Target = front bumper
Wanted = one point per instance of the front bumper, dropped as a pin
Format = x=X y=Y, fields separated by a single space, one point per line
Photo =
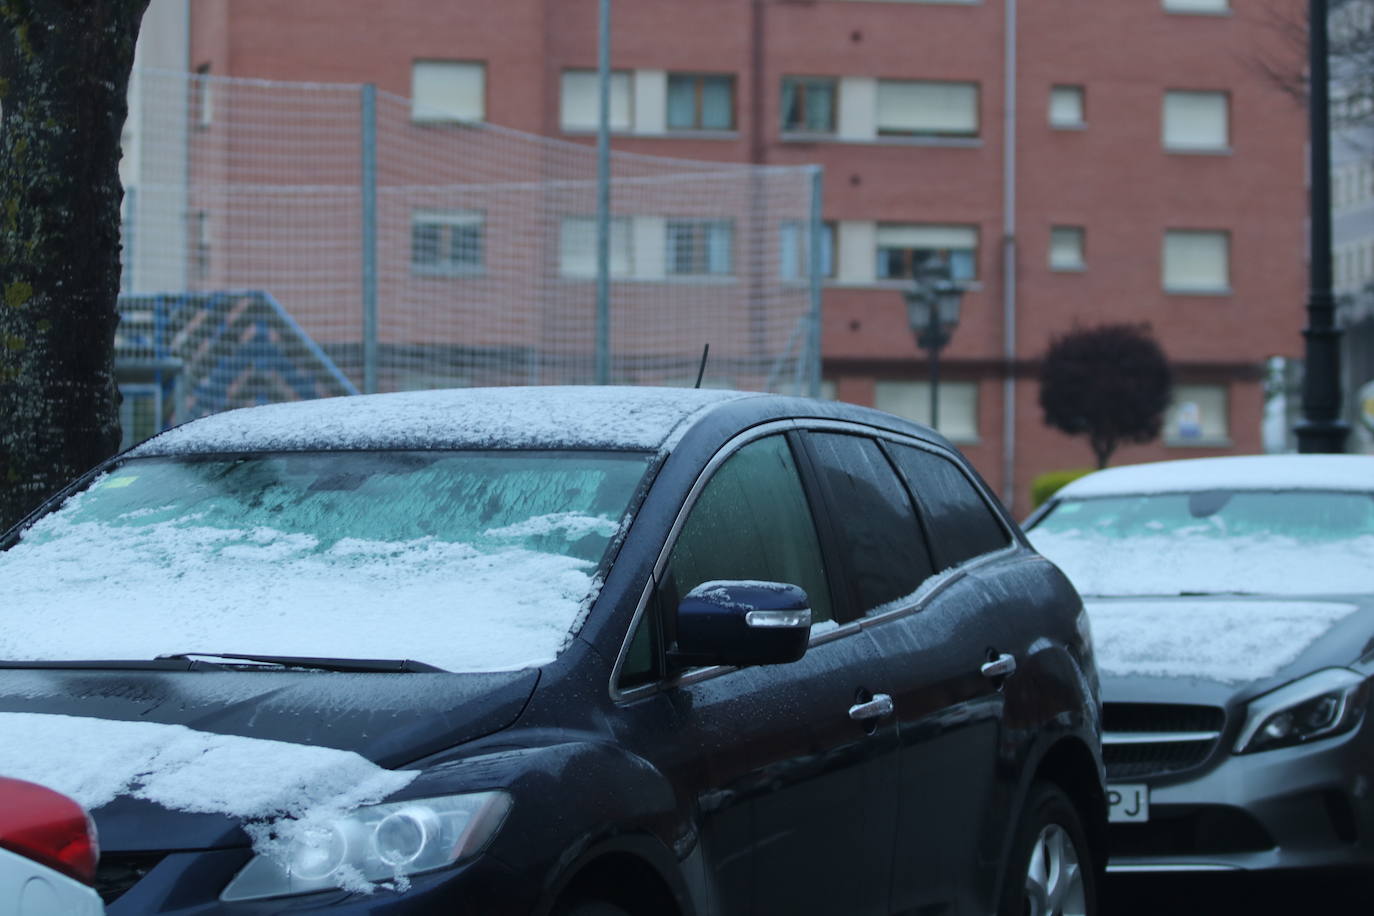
x=1310 y=806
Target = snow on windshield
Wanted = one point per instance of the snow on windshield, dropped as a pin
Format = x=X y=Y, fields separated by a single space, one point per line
x=1181 y=638
x=1215 y=541
x=466 y=561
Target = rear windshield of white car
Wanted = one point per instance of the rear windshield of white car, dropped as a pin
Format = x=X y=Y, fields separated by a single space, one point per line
x=469 y=561
x=1213 y=542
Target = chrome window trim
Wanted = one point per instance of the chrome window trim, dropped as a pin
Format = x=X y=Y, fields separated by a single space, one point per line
x=918 y=598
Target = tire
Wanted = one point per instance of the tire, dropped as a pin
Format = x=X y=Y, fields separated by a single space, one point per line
x=1051 y=871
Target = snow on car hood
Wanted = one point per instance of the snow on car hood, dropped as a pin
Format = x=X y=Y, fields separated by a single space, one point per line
x=1230 y=642
x=97 y=760
x=275 y=789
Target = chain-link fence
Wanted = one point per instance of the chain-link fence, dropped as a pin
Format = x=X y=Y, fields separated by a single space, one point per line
x=289 y=238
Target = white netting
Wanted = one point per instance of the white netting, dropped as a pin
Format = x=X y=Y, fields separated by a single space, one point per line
x=259 y=212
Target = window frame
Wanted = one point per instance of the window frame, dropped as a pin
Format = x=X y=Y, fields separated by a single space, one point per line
x=825 y=532
x=909 y=259
x=427 y=115
x=1081 y=235
x=1082 y=100
x=628 y=82
x=699 y=79
x=830 y=250
x=930 y=133
x=1196 y=149
x=700 y=252
x=446 y=266
x=1177 y=290
x=802 y=85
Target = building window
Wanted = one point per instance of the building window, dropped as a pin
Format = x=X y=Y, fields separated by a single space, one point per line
x=903 y=248
x=700 y=247
x=1066 y=248
x=794 y=250
x=577 y=247
x=446 y=241
x=808 y=104
x=1197 y=262
x=1196 y=121
x=701 y=102
x=203 y=98
x=1066 y=106
x=914 y=108
x=140 y=413
x=581 y=100
x=958 y=405
x=1197 y=6
x=448 y=90
x=1197 y=416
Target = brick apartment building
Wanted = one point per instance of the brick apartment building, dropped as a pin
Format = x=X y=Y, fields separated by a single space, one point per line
x=1137 y=168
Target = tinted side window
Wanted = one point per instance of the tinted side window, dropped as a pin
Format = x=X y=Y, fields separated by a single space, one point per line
x=962 y=525
x=875 y=524
x=751 y=521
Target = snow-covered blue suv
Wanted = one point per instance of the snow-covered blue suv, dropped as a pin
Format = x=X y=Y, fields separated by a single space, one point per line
x=582 y=651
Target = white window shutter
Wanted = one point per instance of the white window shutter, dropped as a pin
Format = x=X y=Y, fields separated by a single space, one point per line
x=1196 y=120
x=446 y=90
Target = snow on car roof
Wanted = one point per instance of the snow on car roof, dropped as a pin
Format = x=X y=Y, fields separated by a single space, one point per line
x=1240 y=472
x=518 y=417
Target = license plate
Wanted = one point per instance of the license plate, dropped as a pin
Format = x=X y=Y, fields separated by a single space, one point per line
x=1128 y=803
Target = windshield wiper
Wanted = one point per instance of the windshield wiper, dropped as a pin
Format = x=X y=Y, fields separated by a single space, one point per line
x=319 y=664
x=162 y=663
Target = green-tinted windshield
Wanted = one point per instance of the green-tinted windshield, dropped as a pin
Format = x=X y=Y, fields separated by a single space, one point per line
x=1294 y=542
x=466 y=560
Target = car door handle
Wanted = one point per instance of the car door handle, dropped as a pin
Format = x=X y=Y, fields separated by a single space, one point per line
x=1003 y=665
x=876 y=708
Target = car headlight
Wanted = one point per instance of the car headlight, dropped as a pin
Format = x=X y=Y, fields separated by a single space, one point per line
x=1322 y=704
x=370 y=844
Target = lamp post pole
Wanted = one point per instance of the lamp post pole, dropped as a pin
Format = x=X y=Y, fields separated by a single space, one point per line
x=932 y=310
x=1320 y=429
x=934 y=338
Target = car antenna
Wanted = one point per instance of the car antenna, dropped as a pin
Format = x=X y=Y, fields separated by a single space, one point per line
x=702 y=369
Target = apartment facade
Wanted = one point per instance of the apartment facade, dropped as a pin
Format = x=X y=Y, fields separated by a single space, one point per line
x=1077 y=162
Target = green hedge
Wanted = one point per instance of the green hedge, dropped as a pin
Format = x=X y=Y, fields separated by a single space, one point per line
x=1048 y=483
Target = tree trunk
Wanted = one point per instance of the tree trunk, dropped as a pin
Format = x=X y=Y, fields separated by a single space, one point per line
x=64 y=76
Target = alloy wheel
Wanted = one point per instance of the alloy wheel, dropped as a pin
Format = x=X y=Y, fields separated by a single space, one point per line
x=1054 y=877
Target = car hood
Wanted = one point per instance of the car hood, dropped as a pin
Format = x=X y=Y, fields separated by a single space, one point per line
x=1222 y=649
x=387 y=719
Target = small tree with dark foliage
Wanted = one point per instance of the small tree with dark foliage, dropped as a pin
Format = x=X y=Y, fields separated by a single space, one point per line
x=1111 y=383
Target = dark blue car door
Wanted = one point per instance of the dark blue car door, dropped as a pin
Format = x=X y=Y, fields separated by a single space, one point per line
x=791 y=791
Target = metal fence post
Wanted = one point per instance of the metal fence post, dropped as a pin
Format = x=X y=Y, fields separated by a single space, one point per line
x=813 y=350
x=369 y=236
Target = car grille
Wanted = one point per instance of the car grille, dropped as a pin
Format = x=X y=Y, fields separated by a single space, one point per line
x=118 y=871
x=1140 y=740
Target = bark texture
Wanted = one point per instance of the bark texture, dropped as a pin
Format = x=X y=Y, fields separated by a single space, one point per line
x=64 y=76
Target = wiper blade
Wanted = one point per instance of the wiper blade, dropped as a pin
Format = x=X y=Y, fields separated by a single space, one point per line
x=319 y=664
x=167 y=663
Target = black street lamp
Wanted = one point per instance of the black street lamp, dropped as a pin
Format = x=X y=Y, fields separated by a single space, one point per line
x=932 y=310
x=1320 y=429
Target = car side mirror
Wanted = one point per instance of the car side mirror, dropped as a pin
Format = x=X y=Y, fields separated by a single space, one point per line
x=742 y=623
